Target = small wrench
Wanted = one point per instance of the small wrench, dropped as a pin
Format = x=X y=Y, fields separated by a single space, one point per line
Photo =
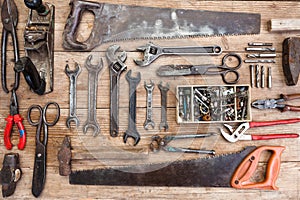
x=152 y=52
x=149 y=88
x=93 y=71
x=163 y=90
x=117 y=66
x=72 y=74
x=132 y=130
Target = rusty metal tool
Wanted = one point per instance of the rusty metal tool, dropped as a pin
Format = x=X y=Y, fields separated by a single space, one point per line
x=230 y=170
x=290 y=60
x=41 y=139
x=93 y=72
x=230 y=64
x=164 y=120
x=39 y=40
x=73 y=75
x=116 y=63
x=9 y=17
x=239 y=133
x=14 y=118
x=64 y=157
x=132 y=130
x=10 y=173
x=158 y=143
x=277 y=103
x=149 y=108
x=115 y=22
x=151 y=52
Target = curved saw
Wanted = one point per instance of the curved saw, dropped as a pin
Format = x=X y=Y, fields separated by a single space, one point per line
x=123 y=22
x=232 y=170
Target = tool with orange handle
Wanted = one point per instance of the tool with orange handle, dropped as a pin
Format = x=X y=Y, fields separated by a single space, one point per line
x=14 y=118
x=231 y=170
x=238 y=134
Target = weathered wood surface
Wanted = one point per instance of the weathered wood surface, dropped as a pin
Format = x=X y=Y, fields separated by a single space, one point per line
x=89 y=152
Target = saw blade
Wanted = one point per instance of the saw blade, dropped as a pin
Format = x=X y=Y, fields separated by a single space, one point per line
x=123 y=22
x=205 y=172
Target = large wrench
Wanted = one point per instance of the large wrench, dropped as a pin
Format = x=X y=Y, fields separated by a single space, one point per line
x=72 y=74
x=152 y=52
x=149 y=88
x=132 y=130
x=163 y=90
x=117 y=66
x=93 y=71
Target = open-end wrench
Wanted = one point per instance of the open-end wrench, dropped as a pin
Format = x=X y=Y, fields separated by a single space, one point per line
x=72 y=74
x=149 y=88
x=163 y=90
x=117 y=66
x=132 y=130
x=152 y=52
x=93 y=71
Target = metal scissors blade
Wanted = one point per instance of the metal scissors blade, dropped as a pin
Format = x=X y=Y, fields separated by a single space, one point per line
x=39 y=172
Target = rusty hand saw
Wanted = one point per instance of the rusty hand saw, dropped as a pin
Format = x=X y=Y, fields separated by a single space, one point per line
x=122 y=22
x=231 y=170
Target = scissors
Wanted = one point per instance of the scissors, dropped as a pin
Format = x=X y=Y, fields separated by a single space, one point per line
x=39 y=173
x=224 y=70
x=9 y=17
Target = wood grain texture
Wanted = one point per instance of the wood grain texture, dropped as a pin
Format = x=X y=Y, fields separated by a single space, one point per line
x=102 y=151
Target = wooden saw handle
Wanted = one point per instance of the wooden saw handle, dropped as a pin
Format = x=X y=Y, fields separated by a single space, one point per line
x=241 y=177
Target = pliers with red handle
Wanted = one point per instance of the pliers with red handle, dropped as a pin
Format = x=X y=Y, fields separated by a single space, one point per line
x=14 y=118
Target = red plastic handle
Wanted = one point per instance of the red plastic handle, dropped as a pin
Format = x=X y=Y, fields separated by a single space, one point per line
x=22 y=140
x=276 y=122
x=274 y=136
x=7 y=132
x=241 y=177
x=17 y=119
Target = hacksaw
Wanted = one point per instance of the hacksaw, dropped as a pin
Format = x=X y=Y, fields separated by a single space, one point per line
x=231 y=170
x=123 y=22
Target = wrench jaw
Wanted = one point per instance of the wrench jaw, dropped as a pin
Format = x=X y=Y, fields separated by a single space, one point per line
x=73 y=119
x=74 y=72
x=115 y=60
x=90 y=66
x=149 y=123
x=132 y=79
x=236 y=135
x=150 y=53
x=135 y=135
x=164 y=126
x=90 y=125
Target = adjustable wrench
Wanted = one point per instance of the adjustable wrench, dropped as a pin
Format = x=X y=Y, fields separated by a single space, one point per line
x=163 y=90
x=72 y=74
x=149 y=88
x=117 y=66
x=132 y=131
x=93 y=70
x=152 y=52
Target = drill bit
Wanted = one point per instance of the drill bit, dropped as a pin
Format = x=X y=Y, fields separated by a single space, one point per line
x=260 y=49
x=259 y=61
x=252 y=75
x=257 y=75
x=262 y=55
x=262 y=76
x=260 y=44
x=269 y=77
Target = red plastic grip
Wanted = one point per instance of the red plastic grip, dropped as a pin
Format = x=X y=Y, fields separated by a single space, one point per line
x=22 y=133
x=7 y=132
x=276 y=122
x=274 y=136
x=243 y=174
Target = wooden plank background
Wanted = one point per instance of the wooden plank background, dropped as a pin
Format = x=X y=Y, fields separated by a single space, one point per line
x=103 y=151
